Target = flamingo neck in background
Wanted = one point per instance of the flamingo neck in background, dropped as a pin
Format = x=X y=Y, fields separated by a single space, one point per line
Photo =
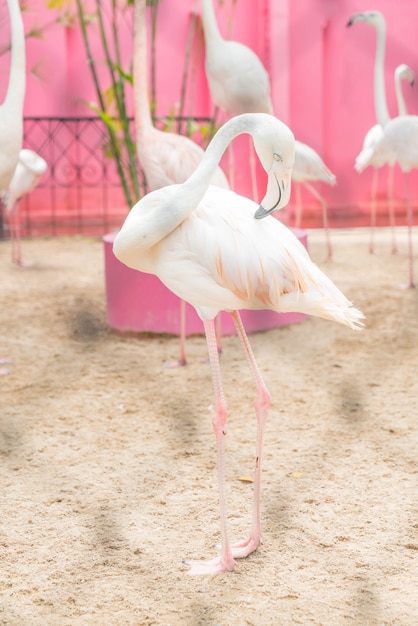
x=143 y=120
x=210 y=25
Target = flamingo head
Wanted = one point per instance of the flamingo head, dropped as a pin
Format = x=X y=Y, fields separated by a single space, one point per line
x=275 y=146
x=406 y=73
x=374 y=18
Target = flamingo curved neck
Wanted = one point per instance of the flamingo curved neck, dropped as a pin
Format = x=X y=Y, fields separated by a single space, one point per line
x=17 y=79
x=202 y=175
x=168 y=213
x=143 y=121
x=210 y=25
x=402 y=110
x=381 y=108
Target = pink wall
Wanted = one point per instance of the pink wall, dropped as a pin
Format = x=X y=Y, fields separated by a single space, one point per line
x=321 y=73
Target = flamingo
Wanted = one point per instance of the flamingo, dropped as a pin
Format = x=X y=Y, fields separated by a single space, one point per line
x=377 y=20
x=399 y=144
x=11 y=110
x=27 y=175
x=221 y=251
x=166 y=158
x=310 y=167
x=239 y=83
x=368 y=156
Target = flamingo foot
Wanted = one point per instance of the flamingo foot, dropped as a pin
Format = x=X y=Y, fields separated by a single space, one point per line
x=174 y=364
x=242 y=549
x=410 y=285
x=18 y=260
x=208 y=568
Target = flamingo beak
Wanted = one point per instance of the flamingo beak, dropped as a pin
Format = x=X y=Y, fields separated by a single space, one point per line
x=277 y=196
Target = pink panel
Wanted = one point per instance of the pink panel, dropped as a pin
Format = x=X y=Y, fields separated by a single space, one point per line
x=321 y=74
x=138 y=302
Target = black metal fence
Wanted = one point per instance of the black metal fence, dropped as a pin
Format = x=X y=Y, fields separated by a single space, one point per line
x=81 y=192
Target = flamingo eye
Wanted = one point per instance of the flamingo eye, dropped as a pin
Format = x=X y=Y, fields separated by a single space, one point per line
x=277 y=157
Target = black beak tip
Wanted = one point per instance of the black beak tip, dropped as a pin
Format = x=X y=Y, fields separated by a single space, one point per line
x=261 y=212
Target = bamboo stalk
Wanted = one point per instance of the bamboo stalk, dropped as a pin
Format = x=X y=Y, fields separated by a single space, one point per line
x=112 y=136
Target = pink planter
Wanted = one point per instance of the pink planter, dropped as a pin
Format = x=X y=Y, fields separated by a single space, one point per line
x=138 y=302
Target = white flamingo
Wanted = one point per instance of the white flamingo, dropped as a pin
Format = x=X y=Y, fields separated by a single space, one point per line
x=205 y=244
x=377 y=20
x=399 y=144
x=11 y=110
x=238 y=81
x=166 y=158
x=28 y=172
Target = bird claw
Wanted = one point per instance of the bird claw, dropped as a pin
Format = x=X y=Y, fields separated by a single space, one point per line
x=174 y=364
x=211 y=567
x=242 y=549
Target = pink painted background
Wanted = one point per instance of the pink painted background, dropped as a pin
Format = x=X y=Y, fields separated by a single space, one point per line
x=321 y=74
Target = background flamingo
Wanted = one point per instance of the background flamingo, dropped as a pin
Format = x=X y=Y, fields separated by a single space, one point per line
x=237 y=80
x=28 y=172
x=399 y=144
x=377 y=20
x=11 y=111
x=239 y=83
x=205 y=245
x=166 y=158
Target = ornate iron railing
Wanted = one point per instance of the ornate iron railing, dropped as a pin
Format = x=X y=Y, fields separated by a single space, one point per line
x=81 y=192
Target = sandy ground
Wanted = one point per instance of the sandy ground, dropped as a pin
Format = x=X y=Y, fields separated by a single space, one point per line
x=108 y=460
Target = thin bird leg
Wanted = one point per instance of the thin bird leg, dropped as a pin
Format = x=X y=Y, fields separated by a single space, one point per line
x=262 y=405
x=253 y=169
x=394 y=249
x=373 y=209
x=218 y=329
x=15 y=236
x=182 y=359
x=15 y=239
x=224 y=562
x=320 y=199
x=409 y=221
x=298 y=211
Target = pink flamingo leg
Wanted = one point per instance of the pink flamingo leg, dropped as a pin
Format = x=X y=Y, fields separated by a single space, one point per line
x=14 y=225
x=325 y=225
x=394 y=249
x=225 y=562
x=218 y=330
x=373 y=210
x=262 y=405
x=410 y=221
x=182 y=359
